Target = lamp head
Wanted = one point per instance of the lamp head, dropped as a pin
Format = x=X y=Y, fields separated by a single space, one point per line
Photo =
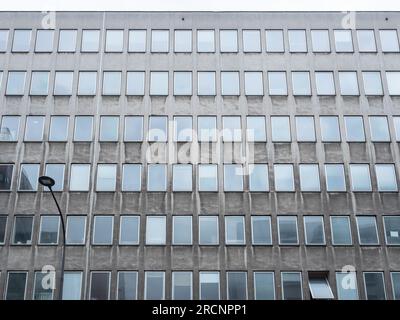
x=46 y=181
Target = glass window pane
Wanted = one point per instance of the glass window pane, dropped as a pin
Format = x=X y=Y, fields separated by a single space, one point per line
x=135 y=83
x=41 y=293
x=274 y=41
x=320 y=41
x=396 y=285
x=348 y=83
x=159 y=40
x=234 y=230
x=207 y=128
x=6 y=171
x=44 y=41
x=346 y=283
x=131 y=177
x=23 y=226
x=228 y=40
x=155 y=230
x=109 y=127
x=291 y=286
x=80 y=175
x=182 y=83
x=208 y=179
x=154 y=285
x=393 y=82
x=72 y=285
x=354 y=129
x=280 y=126
x=59 y=128
x=90 y=40
x=63 y=83
x=319 y=287
x=367 y=233
x=3 y=225
x=103 y=230
x=258 y=177
x=297 y=41
x=309 y=177
x=182 y=230
x=256 y=128
x=379 y=128
x=233 y=177
x=83 y=128
x=21 y=41
x=181 y=285
x=3 y=40
x=330 y=131
x=301 y=83
x=386 y=177
x=100 y=286
x=205 y=41
x=157 y=177
x=76 y=230
x=305 y=128
x=9 y=130
x=183 y=41
x=67 y=41
x=137 y=41
x=325 y=83
x=314 y=230
x=341 y=234
x=392 y=229
x=114 y=40
x=208 y=230
x=389 y=40
x=396 y=124
x=34 y=128
x=374 y=286
x=287 y=227
x=230 y=83
x=372 y=83
x=284 y=180
x=182 y=177
x=277 y=83
x=183 y=128
x=237 y=285
x=49 y=227
x=360 y=177
x=16 y=83
x=253 y=83
x=231 y=128
x=335 y=180
x=261 y=230
x=209 y=285
x=264 y=286
x=87 y=83
x=29 y=175
x=159 y=83
x=16 y=286
x=206 y=83
x=366 y=41
x=343 y=41
x=112 y=83
x=251 y=41
x=129 y=230
x=39 y=83
x=127 y=285
x=56 y=171
x=106 y=177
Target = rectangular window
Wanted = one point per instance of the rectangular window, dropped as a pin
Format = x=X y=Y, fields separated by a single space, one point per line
x=330 y=131
x=133 y=128
x=256 y=129
x=389 y=40
x=233 y=177
x=34 y=128
x=230 y=83
x=283 y=177
x=379 y=129
x=208 y=230
x=103 y=230
x=100 y=285
x=237 y=285
x=59 y=128
x=29 y=175
x=109 y=128
x=67 y=41
x=183 y=128
x=106 y=177
x=3 y=40
x=305 y=128
x=16 y=83
x=325 y=83
x=301 y=83
x=396 y=124
x=156 y=177
x=205 y=41
x=395 y=285
x=9 y=129
x=287 y=230
x=309 y=178
x=374 y=286
x=264 y=286
x=228 y=40
x=72 y=285
x=366 y=41
x=348 y=83
x=234 y=230
x=386 y=177
x=292 y=288
x=341 y=232
x=392 y=229
x=111 y=83
x=208 y=177
x=207 y=128
x=6 y=172
x=87 y=83
x=22 y=40
x=159 y=40
x=354 y=128
x=135 y=83
x=182 y=83
x=360 y=177
x=131 y=177
x=182 y=230
x=39 y=83
x=274 y=41
x=127 y=285
x=114 y=40
x=44 y=41
x=183 y=41
x=16 y=285
x=346 y=283
x=56 y=171
x=209 y=285
x=83 y=130
x=261 y=230
x=251 y=41
x=297 y=41
x=3 y=225
x=22 y=233
x=159 y=83
x=182 y=285
x=335 y=181
x=90 y=40
x=76 y=230
x=80 y=177
x=206 y=83
x=277 y=83
x=154 y=287
x=49 y=228
x=320 y=41
x=319 y=287
x=137 y=41
x=258 y=178
x=182 y=177
x=314 y=230
x=393 y=82
x=156 y=230
x=129 y=230
x=280 y=126
x=63 y=83
x=40 y=292
x=367 y=232
x=232 y=129
x=343 y=41
x=372 y=83
x=253 y=83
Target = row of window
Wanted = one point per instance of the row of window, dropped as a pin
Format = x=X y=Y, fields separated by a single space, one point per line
x=291 y=285
x=251 y=41
x=208 y=230
x=206 y=83
x=182 y=130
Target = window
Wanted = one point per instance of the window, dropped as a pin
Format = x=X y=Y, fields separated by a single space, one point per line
x=287 y=230
x=325 y=83
x=209 y=285
x=9 y=129
x=251 y=41
x=258 y=177
x=305 y=128
x=233 y=177
x=291 y=286
x=87 y=83
x=320 y=41
x=106 y=177
x=396 y=285
x=207 y=177
x=100 y=285
x=16 y=285
x=207 y=128
x=90 y=40
x=23 y=226
x=205 y=41
x=237 y=285
x=280 y=126
x=39 y=83
x=3 y=40
x=319 y=287
x=297 y=41
x=182 y=177
x=34 y=128
x=129 y=230
x=182 y=83
x=135 y=83
x=343 y=40
x=131 y=177
x=16 y=83
x=40 y=292
x=67 y=41
x=232 y=130
x=103 y=230
x=335 y=180
x=72 y=285
x=360 y=177
x=330 y=131
x=183 y=128
x=284 y=180
x=346 y=283
x=83 y=128
x=228 y=40
x=111 y=83
x=109 y=127
x=261 y=230
x=274 y=41
x=386 y=177
x=374 y=286
x=392 y=230
x=56 y=171
x=314 y=230
x=159 y=40
x=367 y=232
x=264 y=286
x=182 y=285
x=256 y=129
x=59 y=128
x=157 y=177
x=206 y=83
x=354 y=128
x=182 y=230
x=80 y=176
x=393 y=82
x=3 y=225
x=379 y=128
x=234 y=230
x=372 y=83
x=154 y=285
x=309 y=178
x=159 y=83
x=348 y=83
x=230 y=83
x=63 y=83
x=29 y=175
x=76 y=230
x=301 y=83
x=6 y=171
x=277 y=83
x=366 y=41
x=155 y=230
x=396 y=123
x=22 y=40
x=137 y=41
x=208 y=230
x=44 y=41
x=340 y=228
x=127 y=285
x=253 y=83
x=49 y=227
x=114 y=40
x=389 y=40
x=183 y=41
x=133 y=128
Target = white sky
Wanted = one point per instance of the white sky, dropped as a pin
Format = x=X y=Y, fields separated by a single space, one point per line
x=201 y=5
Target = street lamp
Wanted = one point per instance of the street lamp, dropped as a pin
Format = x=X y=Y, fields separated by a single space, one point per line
x=49 y=183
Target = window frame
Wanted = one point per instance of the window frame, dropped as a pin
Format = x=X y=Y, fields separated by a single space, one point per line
x=128 y=243
x=91 y=282
x=41 y=243
x=376 y=231
x=235 y=242
x=29 y=242
x=306 y=240
x=94 y=242
x=295 y=218
x=350 y=231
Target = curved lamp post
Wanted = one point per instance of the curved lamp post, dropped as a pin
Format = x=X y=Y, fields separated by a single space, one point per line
x=49 y=183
